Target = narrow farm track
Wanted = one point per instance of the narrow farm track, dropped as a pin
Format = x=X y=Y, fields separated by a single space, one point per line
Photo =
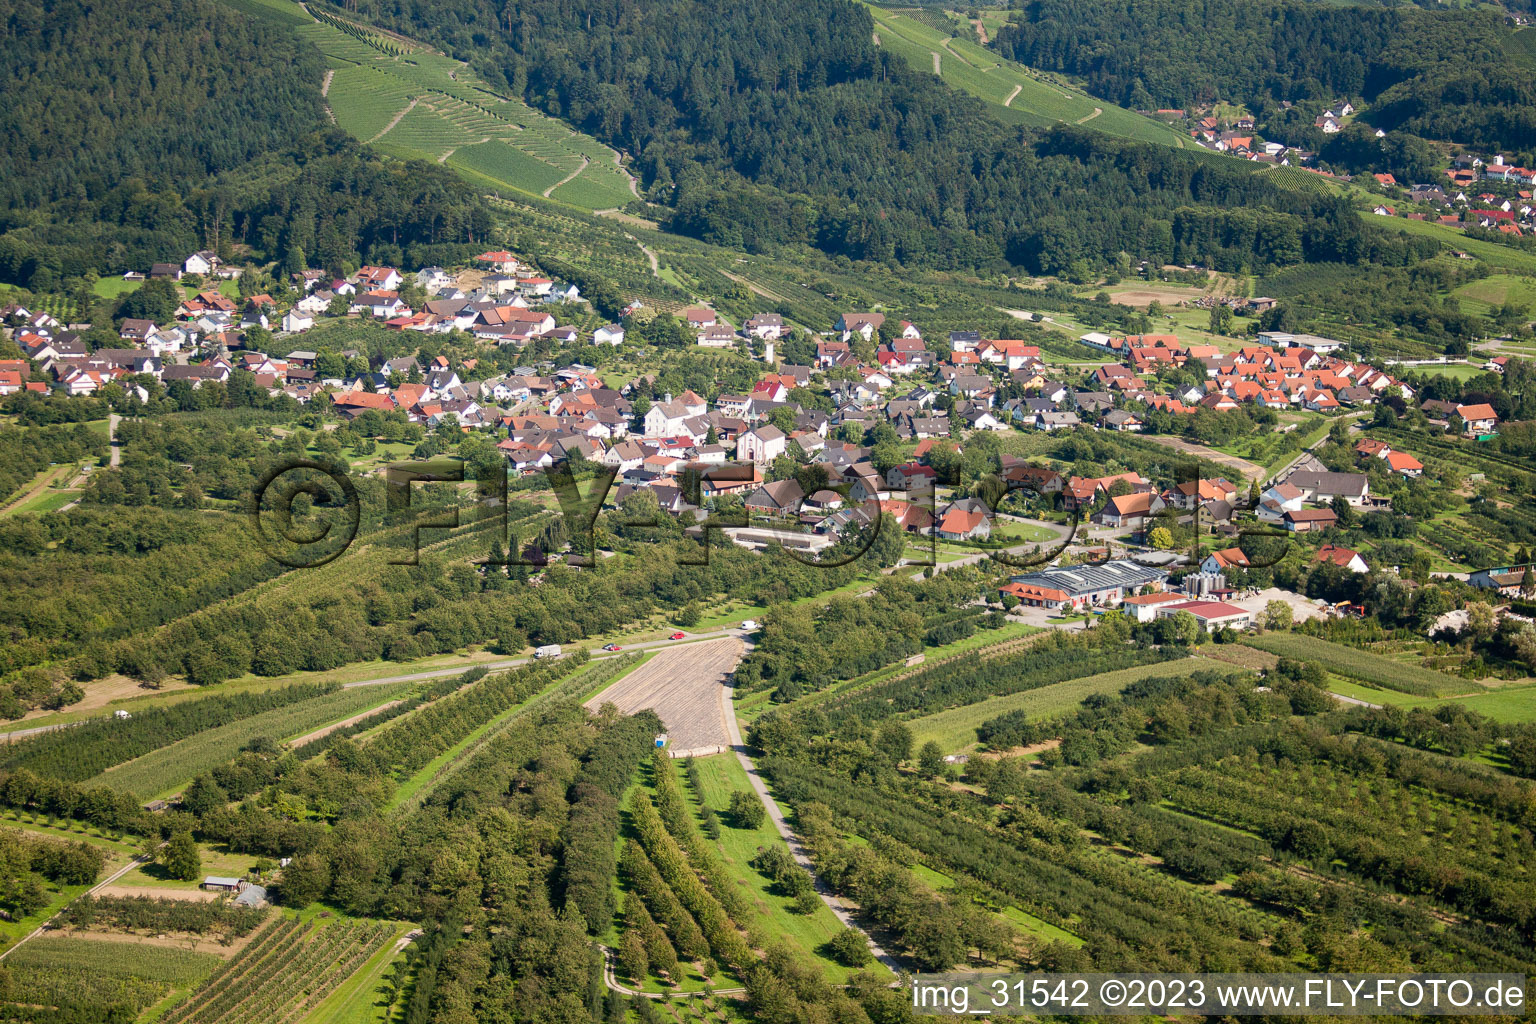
x=1011 y=96
x=649 y=255
x=1096 y=112
x=134 y=862
x=938 y=68
x=326 y=730
x=612 y=981
x=585 y=160
x=325 y=84
x=796 y=850
x=398 y=118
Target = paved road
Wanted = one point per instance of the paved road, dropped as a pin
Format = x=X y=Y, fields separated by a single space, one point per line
x=796 y=850
x=117 y=453
x=1355 y=700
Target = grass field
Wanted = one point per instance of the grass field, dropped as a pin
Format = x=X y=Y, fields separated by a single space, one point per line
x=955 y=728
x=1506 y=704
x=166 y=770
x=1365 y=666
x=721 y=775
x=1496 y=290
x=1014 y=93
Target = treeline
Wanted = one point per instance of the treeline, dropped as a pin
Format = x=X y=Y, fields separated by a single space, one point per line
x=803 y=649
x=1155 y=710
x=1053 y=659
x=1443 y=74
x=935 y=931
x=151 y=915
x=77 y=752
x=28 y=863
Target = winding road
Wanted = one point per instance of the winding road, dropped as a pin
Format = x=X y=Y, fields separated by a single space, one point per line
x=585 y=160
x=1016 y=90
x=397 y=119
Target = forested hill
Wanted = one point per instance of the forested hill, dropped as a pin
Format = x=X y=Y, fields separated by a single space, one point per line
x=96 y=92
x=1443 y=74
x=780 y=122
x=138 y=131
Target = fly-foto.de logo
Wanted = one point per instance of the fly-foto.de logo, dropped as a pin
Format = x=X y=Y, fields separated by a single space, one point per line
x=305 y=513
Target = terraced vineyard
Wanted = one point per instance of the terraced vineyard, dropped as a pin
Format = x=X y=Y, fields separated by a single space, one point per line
x=1016 y=93
x=410 y=101
x=285 y=971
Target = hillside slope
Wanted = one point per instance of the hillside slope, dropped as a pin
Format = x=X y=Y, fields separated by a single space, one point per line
x=1014 y=93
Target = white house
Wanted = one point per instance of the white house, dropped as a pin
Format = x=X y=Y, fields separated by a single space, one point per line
x=609 y=334
x=203 y=263
x=761 y=445
x=294 y=321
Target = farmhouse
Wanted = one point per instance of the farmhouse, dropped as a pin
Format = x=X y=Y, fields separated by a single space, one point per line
x=1503 y=578
x=1322 y=487
x=1144 y=606
x=1210 y=614
x=1083 y=586
x=1346 y=558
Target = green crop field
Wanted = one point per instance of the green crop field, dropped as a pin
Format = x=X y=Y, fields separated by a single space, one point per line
x=1363 y=665
x=1507 y=704
x=52 y=970
x=955 y=728
x=1016 y=93
x=1496 y=290
x=166 y=769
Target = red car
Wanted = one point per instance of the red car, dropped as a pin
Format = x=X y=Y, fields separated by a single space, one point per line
x=611 y=647
x=678 y=636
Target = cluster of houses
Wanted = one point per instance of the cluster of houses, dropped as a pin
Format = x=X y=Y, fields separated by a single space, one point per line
x=1463 y=205
x=1285 y=371
x=503 y=302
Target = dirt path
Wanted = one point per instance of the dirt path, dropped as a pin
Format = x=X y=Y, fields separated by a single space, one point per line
x=1249 y=470
x=649 y=255
x=327 y=730
x=981 y=31
x=1016 y=90
x=398 y=118
x=634 y=183
x=584 y=161
x=93 y=890
x=765 y=293
x=117 y=454
x=32 y=491
x=834 y=903
x=325 y=85
x=877 y=38
x=1096 y=112
x=937 y=67
x=685 y=686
